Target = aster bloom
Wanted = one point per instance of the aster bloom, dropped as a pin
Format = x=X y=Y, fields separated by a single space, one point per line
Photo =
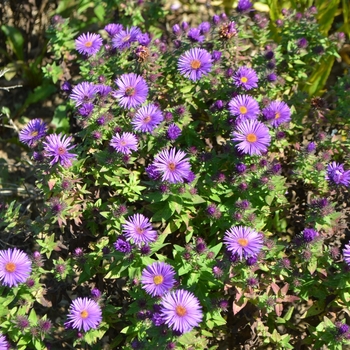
x=121 y=245
x=147 y=118
x=277 y=112
x=88 y=44
x=346 y=253
x=158 y=278
x=173 y=132
x=34 y=131
x=204 y=27
x=244 y=5
x=337 y=175
x=195 y=35
x=84 y=314
x=173 y=165
x=309 y=234
x=181 y=310
x=124 y=38
x=144 y=39
x=246 y=78
x=83 y=92
x=3 y=342
x=15 y=267
x=243 y=241
x=244 y=107
x=194 y=63
x=139 y=229
x=124 y=143
x=252 y=136
x=57 y=147
x=113 y=29
x=103 y=90
x=86 y=109
x=132 y=91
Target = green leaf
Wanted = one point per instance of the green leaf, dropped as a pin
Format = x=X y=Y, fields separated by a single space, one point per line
x=100 y=12
x=326 y=11
x=15 y=40
x=60 y=119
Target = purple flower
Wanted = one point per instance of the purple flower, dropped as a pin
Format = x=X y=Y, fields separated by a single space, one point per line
x=181 y=310
x=15 y=267
x=34 y=131
x=176 y=30
x=346 y=253
x=86 y=109
x=113 y=29
x=173 y=165
x=57 y=146
x=309 y=234
x=84 y=314
x=147 y=118
x=132 y=91
x=144 y=39
x=124 y=143
x=337 y=175
x=139 y=229
x=123 y=39
x=195 y=35
x=246 y=78
x=311 y=147
x=88 y=44
x=271 y=77
x=173 y=132
x=244 y=107
x=253 y=137
x=157 y=319
x=204 y=27
x=243 y=241
x=194 y=63
x=152 y=172
x=4 y=343
x=244 y=5
x=158 y=278
x=277 y=112
x=83 y=92
x=103 y=90
x=215 y=56
x=121 y=245
x=302 y=43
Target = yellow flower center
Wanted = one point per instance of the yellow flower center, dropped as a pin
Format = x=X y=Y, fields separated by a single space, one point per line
x=34 y=133
x=130 y=91
x=195 y=64
x=277 y=115
x=243 y=109
x=88 y=44
x=126 y=38
x=139 y=230
x=171 y=166
x=10 y=267
x=243 y=242
x=84 y=314
x=180 y=311
x=158 y=279
x=147 y=119
x=251 y=138
x=244 y=79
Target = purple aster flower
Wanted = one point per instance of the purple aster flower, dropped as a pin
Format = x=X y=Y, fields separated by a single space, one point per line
x=57 y=146
x=244 y=107
x=271 y=77
x=216 y=55
x=277 y=112
x=121 y=245
x=246 y=78
x=34 y=131
x=181 y=310
x=243 y=241
x=194 y=63
x=86 y=109
x=157 y=319
x=346 y=253
x=253 y=137
x=309 y=234
x=66 y=86
x=195 y=35
x=173 y=132
x=103 y=90
x=83 y=92
x=88 y=44
x=337 y=175
x=204 y=27
x=173 y=165
x=95 y=294
x=152 y=172
x=84 y=314
x=176 y=30
x=139 y=229
x=124 y=143
x=4 y=343
x=158 y=278
x=302 y=43
x=124 y=38
x=311 y=147
x=147 y=118
x=244 y=5
x=132 y=91
x=144 y=39
x=113 y=29
x=15 y=267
